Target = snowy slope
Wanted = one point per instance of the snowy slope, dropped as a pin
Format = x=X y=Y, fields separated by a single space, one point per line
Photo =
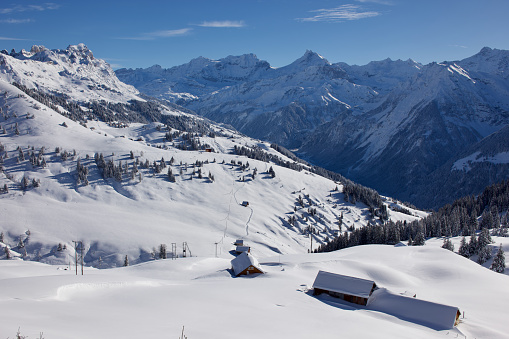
x=158 y=298
x=134 y=217
x=401 y=118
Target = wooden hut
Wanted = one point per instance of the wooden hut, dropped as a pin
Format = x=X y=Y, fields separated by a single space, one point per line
x=245 y=264
x=239 y=242
x=351 y=289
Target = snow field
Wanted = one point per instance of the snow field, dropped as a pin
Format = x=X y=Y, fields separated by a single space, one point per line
x=158 y=298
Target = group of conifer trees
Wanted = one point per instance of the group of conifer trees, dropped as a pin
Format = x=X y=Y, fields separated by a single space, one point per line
x=486 y=215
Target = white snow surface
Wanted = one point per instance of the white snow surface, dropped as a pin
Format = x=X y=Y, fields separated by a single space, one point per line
x=132 y=218
x=463 y=164
x=157 y=299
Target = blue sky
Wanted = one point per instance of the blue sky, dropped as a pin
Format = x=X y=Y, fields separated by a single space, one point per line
x=143 y=33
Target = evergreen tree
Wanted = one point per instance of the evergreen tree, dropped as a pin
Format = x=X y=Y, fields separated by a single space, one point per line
x=498 y=264
x=271 y=172
x=484 y=255
x=464 y=249
x=419 y=238
x=448 y=245
x=126 y=261
x=7 y=251
x=171 y=177
x=162 y=251
x=484 y=239
x=472 y=245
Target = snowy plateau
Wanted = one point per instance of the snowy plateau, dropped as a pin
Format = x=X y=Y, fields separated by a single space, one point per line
x=396 y=126
x=88 y=158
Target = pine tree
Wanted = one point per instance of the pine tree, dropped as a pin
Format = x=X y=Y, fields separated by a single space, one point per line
x=419 y=239
x=171 y=177
x=448 y=245
x=126 y=261
x=464 y=248
x=7 y=251
x=498 y=264
x=484 y=239
x=472 y=245
x=271 y=172
x=162 y=251
x=484 y=255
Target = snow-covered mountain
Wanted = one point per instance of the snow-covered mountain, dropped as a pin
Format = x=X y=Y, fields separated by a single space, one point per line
x=72 y=72
x=282 y=105
x=387 y=124
x=126 y=176
x=430 y=119
x=132 y=180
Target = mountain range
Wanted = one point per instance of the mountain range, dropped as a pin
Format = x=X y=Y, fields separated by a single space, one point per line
x=95 y=175
x=397 y=126
x=138 y=173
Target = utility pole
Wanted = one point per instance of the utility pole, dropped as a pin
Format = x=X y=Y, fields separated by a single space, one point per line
x=76 y=255
x=81 y=255
x=311 y=230
x=76 y=242
x=174 y=251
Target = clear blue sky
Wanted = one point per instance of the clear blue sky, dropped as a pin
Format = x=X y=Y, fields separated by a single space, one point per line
x=143 y=33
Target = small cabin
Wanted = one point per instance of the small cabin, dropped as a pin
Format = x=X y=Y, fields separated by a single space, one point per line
x=208 y=150
x=245 y=203
x=242 y=249
x=351 y=289
x=245 y=264
x=239 y=242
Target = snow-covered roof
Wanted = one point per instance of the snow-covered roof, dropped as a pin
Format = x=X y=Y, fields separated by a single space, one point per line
x=243 y=261
x=426 y=313
x=343 y=284
x=242 y=249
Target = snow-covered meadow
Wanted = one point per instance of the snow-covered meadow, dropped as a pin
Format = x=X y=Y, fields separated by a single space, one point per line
x=158 y=298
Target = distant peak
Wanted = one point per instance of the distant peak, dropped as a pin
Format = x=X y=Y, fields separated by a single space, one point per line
x=486 y=50
x=80 y=48
x=155 y=68
x=37 y=49
x=244 y=58
x=312 y=58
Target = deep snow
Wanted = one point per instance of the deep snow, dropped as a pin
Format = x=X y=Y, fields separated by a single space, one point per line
x=156 y=299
